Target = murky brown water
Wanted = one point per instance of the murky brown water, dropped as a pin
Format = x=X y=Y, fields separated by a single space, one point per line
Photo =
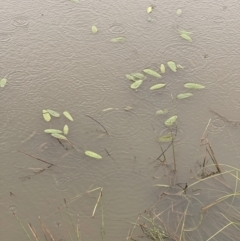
x=53 y=60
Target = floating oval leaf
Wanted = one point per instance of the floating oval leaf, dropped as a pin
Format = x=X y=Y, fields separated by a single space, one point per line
x=172 y=66
x=186 y=37
x=59 y=136
x=184 y=95
x=171 y=120
x=3 y=82
x=149 y=9
x=130 y=77
x=194 y=86
x=152 y=73
x=46 y=115
x=93 y=154
x=162 y=112
x=162 y=68
x=136 y=84
x=53 y=131
x=65 y=130
x=179 y=12
x=166 y=138
x=53 y=113
x=67 y=115
x=138 y=75
x=184 y=32
x=158 y=86
x=118 y=39
x=94 y=29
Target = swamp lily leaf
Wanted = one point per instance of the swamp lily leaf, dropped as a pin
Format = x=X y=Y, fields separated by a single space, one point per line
x=162 y=68
x=53 y=131
x=93 y=154
x=152 y=73
x=46 y=115
x=171 y=120
x=149 y=9
x=3 y=82
x=162 y=112
x=165 y=138
x=184 y=32
x=59 y=136
x=172 y=66
x=130 y=77
x=156 y=87
x=184 y=96
x=118 y=39
x=136 y=84
x=138 y=75
x=53 y=113
x=67 y=115
x=65 y=130
x=94 y=29
x=194 y=86
x=179 y=12
x=186 y=37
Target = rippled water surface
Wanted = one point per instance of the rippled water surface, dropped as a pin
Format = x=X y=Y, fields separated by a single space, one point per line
x=52 y=59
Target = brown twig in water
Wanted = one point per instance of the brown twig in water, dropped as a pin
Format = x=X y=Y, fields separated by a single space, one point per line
x=51 y=164
x=98 y=123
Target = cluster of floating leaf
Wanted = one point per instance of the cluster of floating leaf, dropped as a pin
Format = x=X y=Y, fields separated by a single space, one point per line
x=55 y=132
x=61 y=134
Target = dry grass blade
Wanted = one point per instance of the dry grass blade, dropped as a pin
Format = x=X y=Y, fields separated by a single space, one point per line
x=219 y=231
x=94 y=210
x=33 y=232
x=45 y=230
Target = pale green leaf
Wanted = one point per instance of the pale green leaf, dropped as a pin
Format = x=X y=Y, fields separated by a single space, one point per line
x=138 y=75
x=162 y=68
x=194 y=86
x=94 y=29
x=158 y=86
x=165 y=138
x=184 y=32
x=171 y=120
x=136 y=84
x=149 y=9
x=53 y=113
x=46 y=115
x=3 y=82
x=67 y=115
x=93 y=154
x=186 y=37
x=75 y=1
x=179 y=12
x=118 y=39
x=172 y=66
x=162 y=112
x=65 y=130
x=53 y=131
x=130 y=77
x=59 y=136
x=152 y=73
x=184 y=95
x=161 y=185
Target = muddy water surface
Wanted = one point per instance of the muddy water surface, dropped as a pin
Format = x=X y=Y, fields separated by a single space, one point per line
x=52 y=59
